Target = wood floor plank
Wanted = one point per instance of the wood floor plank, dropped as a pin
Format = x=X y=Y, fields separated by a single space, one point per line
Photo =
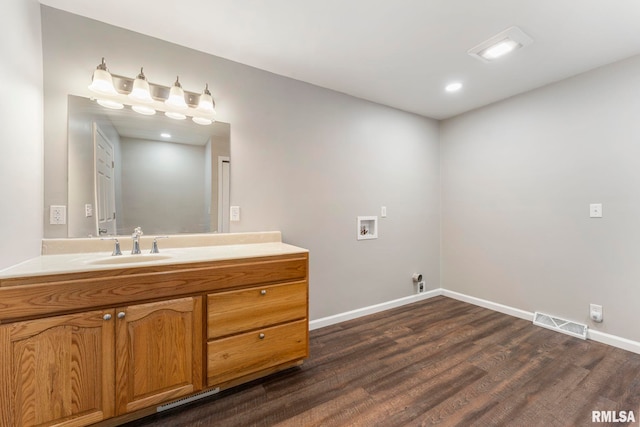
x=436 y=362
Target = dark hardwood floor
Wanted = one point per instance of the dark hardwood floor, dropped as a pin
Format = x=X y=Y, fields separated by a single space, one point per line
x=439 y=361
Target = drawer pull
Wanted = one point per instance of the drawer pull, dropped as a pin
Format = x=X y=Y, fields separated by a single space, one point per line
x=121 y=315
x=261 y=336
x=107 y=316
x=263 y=292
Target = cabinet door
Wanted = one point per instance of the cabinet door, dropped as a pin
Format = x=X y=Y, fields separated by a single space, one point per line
x=158 y=352
x=58 y=370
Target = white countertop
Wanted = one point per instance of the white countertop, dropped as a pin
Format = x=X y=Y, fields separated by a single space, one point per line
x=91 y=261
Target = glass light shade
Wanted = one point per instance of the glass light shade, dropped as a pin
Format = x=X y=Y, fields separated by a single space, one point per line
x=176 y=97
x=143 y=109
x=206 y=104
x=102 y=83
x=202 y=120
x=140 y=91
x=108 y=103
x=175 y=116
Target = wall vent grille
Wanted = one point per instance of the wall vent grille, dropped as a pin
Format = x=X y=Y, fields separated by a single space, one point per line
x=560 y=325
x=186 y=400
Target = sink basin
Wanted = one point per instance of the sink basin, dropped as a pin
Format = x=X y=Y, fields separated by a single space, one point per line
x=129 y=259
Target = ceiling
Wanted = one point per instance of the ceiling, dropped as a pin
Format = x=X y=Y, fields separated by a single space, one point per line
x=399 y=53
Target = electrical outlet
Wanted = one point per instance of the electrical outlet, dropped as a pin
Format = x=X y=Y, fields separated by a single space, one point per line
x=595 y=312
x=422 y=287
x=57 y=215
x=595 y=210
x=88 y=210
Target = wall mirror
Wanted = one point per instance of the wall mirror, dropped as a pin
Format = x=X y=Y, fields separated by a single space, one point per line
x=128 y=170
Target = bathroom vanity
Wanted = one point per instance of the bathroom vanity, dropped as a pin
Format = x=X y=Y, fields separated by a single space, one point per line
x=86 y=337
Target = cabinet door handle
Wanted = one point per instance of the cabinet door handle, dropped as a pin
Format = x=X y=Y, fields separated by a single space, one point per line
x=261 y=336
x=263 y=292
x=121 y=315
x=107 y=316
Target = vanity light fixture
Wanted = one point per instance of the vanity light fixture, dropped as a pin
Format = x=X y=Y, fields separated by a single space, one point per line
x=501 y=44
x=146 y=98
x=176 y=96
x=140 y=91
x=101 y=81
x=206 y=104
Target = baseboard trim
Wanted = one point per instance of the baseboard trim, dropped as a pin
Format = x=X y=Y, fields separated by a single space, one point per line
x=364 y=311
x=614 y=340
x=511 y=311
x=602 y=337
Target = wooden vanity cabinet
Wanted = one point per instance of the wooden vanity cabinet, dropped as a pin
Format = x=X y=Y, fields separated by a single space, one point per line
x=109 y=346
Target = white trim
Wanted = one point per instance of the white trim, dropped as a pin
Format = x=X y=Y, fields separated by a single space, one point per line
x=511 y=311
x=614 y=340
x=364 y=311
x=602 y=337
x=222 y=210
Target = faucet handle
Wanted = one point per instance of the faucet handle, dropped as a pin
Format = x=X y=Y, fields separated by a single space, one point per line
x=116 y=249
x=154 y=246
x=137 y=232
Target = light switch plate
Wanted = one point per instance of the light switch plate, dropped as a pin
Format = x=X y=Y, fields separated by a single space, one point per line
x=595 y=210
x=235 y=213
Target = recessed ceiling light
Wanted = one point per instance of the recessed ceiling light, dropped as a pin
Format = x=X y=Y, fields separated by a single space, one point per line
x=165 y=135
x=453 y=87
x=501 y=44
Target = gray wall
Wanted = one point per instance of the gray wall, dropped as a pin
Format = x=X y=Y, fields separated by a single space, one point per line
x=20 y=132
x=162 y=187
x=305 y=160
x=517 y=181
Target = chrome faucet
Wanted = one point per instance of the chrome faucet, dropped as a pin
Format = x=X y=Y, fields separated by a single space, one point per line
x=137 y=232
x=116 y=249
x=154 y=246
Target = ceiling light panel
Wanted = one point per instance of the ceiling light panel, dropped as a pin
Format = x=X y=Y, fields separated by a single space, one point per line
x=501 y=44
x=453 y=87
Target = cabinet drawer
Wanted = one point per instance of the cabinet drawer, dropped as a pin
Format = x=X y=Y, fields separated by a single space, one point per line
x=239 y=311
x=233 y=357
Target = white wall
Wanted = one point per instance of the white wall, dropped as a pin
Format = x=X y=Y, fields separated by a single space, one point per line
x=305 y=160
x=517 y=180
x=20 y=132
